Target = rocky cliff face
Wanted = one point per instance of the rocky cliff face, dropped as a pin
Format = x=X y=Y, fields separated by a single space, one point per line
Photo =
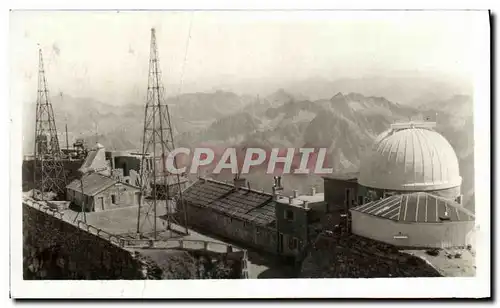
x=356 y=257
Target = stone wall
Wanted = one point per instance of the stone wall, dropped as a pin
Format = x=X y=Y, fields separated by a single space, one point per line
x=56 y=249
x=245 y=232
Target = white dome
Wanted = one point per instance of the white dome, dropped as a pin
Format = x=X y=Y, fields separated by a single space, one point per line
x=410 y=159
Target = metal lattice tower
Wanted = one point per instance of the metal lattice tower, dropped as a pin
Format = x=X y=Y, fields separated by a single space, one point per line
x=49 y=173
x=158 y=187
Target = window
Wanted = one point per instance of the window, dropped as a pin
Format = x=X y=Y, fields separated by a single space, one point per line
x=372 y=195
x=289 y=215
x=400 y=236
x=388 y=194
x=292 y=243
x=137 y=197
x=113 y=199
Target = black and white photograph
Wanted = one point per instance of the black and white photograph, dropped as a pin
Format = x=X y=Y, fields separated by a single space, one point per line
x=240 y=148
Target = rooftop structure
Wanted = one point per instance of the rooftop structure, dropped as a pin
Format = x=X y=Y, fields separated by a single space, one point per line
x=96 y=161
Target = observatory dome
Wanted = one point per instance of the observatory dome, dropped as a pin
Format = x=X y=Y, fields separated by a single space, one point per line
x=410 y=157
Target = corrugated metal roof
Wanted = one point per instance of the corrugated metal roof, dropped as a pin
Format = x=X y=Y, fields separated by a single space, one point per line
x=92 y=184
x=416 y=207
x=249 y=205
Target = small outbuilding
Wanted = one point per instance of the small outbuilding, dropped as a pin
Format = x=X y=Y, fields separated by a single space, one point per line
x=101 y=192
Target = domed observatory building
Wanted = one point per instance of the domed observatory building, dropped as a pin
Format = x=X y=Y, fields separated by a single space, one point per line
x=410 y=158
x=407 y=191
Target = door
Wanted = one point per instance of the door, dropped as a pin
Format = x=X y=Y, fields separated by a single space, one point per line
x=137 y=198
x=100 y=203
x=348 y=198
x=280 y=243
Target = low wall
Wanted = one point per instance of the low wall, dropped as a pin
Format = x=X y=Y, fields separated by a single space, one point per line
x=58 y=249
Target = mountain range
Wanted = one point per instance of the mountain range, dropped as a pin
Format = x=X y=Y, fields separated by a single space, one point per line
x=344 y=123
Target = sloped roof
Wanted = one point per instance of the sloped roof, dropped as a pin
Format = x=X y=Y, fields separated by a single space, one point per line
x=92 y=183
x=242 y=203
x=346 y=176
x=416 y=207
x=170 y=180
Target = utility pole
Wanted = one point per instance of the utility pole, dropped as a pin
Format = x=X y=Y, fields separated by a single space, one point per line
x=67 y=142
x=49 y=174
x=96 y=132
x=159 y=142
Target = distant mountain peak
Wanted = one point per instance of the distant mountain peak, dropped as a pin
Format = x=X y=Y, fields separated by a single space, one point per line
x=339 y=97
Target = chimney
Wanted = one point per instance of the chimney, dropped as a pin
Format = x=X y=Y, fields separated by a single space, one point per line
x=313 y=191
x=306 y=204
x=295 y=193
x=240 y=182
x=276 y=194
x=290 y=200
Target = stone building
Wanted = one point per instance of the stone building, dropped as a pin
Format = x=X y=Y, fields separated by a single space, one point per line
x=101 y=193
x=233 y=212
x=296 y=217
x=407 y=191
x=268 y=222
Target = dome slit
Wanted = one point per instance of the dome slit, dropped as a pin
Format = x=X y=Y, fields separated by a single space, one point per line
x=420 y=136
x=426 y=205
x=414 y=159
x=416 y=208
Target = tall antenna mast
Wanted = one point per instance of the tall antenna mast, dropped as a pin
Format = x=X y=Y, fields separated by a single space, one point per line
x=96 y=132
x=157 y=140
x=49 y=174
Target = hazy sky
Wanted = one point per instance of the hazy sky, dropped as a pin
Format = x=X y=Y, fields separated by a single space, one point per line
x=105 y=54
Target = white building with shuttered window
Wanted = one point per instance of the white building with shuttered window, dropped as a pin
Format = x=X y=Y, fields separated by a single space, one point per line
x=414 y=220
